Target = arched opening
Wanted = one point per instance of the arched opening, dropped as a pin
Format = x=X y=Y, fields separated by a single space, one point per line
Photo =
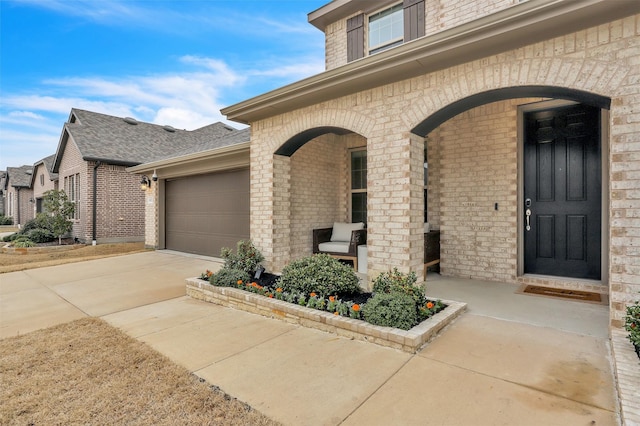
x=476 y=180
x=294 y=143
x=470 y=102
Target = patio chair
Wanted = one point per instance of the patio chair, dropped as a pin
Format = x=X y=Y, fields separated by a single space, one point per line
x=341 y=241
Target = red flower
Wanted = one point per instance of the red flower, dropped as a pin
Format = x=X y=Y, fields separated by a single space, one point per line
x=429 y=305
x=356 y=307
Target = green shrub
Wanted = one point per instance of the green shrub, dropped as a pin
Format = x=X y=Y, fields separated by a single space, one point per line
x=41 y=221
x=23 y=242
x=247 y=257
x=397 y=282
x=391 y=310
x=227 y=277
x=11 y=237
x=632 y=323
x=321 y=274
x=6 y=220
x=40 y=235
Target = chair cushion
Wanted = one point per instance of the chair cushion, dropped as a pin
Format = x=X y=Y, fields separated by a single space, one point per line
x=342 y=231
x=334 y=247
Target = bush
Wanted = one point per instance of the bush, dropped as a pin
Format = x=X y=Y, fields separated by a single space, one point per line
x=319 y=274
x=247 y=257
x=41 y=221
x=397 y=282
x=228 y=277
x=23 y=242
x=632 y=323
x=11 y=237
x=40 y=235
x=391 y=310
x=6 y=220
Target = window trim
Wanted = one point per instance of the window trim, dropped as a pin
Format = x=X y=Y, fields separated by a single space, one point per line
x=387 y=44
x=357 y=190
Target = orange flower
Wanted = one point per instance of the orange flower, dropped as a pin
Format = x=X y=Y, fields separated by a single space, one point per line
x=254 y=284
x=336 y=313
x=270 y=295
x=239 y=282
x=209 y=273
x=332 y=299
x=279 y=290
x=429 y=305
x=356 y=307
x=313 y=294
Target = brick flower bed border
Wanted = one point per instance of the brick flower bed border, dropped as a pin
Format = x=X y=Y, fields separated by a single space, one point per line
x=409 y=341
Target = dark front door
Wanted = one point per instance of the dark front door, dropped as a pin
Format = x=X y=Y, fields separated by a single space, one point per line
x=562 y=192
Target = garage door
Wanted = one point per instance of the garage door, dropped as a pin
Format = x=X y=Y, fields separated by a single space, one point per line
x=205 y=213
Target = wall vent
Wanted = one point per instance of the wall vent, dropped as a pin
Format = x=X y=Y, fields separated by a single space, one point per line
x=130 y=120
x=169 y=129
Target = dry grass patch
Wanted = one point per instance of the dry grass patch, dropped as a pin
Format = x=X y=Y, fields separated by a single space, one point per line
x=20 y=262
x=88 y=372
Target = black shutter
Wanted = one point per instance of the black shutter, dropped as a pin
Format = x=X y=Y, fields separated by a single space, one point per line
x=355 y=38
x=413 y=19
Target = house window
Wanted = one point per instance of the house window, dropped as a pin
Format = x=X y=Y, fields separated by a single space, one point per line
x=386 y=29
x=72 y=188
x=41 y=180
x=359 y=186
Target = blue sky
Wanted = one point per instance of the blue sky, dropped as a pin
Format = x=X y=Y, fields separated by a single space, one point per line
x=164 y=62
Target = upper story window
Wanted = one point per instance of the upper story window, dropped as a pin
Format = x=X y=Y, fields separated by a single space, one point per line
x=386 y=29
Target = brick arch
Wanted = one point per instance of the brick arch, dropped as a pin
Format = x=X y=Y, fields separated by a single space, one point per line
x=455 y=108
x=584 y=80
x=313 y=124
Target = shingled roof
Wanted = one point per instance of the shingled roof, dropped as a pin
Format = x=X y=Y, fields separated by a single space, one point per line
x=128 y=142
x=19 y=177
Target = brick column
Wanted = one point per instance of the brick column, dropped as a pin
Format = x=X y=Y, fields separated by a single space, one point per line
x=281 y=222
x=624 y=261
x=395 y=212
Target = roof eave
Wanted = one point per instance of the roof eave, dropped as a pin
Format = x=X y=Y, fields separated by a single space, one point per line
x=517 y=26
x=190 y=158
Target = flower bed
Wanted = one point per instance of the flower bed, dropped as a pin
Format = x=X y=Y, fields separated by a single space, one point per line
x=407 y=340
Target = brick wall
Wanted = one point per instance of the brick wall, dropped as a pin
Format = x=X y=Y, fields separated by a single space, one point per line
x=20 y=204
x=478 y=168
x=120 y=209
x=72 y=163
x=317 y=190
x=41 y=175
x=603 y=60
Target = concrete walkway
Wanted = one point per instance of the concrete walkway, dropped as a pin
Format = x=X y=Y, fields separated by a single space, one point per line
x=485 y=369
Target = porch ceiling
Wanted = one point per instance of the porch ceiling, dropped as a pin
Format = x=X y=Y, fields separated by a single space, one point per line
x=523 y=24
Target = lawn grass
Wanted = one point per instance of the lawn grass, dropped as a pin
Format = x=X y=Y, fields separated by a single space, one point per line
x=88 y=372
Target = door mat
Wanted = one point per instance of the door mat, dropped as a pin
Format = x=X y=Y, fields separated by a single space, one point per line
x=565 y=293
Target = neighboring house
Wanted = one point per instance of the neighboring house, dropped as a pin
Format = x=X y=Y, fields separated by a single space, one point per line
x=3 y=192
x=19 y=195
x=91 y=160
x=42 y=180
x=199 y=202
x=525 y=111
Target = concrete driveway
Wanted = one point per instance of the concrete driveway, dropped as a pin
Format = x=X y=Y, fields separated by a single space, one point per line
x=482 y=370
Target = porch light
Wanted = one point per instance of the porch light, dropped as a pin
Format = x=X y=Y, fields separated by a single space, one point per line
x=145 y=183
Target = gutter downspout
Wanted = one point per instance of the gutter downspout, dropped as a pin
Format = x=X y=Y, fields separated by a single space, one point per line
x=18 y=207
x=95 y=201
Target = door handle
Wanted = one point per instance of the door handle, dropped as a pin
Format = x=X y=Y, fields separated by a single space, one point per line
x=528 y=219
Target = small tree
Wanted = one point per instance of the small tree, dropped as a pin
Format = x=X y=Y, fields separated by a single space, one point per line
x=57 y=205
